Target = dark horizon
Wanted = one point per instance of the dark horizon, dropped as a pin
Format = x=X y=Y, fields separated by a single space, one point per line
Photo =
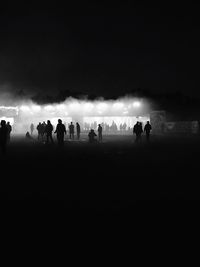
x=100 y=50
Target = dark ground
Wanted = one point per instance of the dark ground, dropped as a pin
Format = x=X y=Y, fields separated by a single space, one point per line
x=112 y=177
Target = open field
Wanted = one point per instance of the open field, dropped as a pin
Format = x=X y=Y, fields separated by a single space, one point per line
x=116 y=174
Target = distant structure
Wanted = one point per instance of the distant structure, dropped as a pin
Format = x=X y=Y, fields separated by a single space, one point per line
x=158 y=120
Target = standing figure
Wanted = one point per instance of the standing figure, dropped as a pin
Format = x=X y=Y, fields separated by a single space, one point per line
x=91 y=136
x=147 y=129
x=137 y=129
x=9 y=127
x=39 y=129
x=124 y=126
x=71 y=131
x=48 y=131
x=43 y=133
x=78 y=130
x=60 y=131
x=100 y=132
x=3 y=136
x=32 y=128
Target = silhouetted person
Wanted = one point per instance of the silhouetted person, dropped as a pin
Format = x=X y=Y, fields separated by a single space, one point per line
x=147 y=130
x=65 y=124
x=32 y=128
x=48 y=131
x=137 y=129
x=39 y=129
x=3 y=136
x=124 y=126
x=141 y=129
x=71 y=131
x=92 y=136
x=78 y=130
x=9 y=127
x=43 y=127
x=99 y=132
x=60 y=131
x=28 y=136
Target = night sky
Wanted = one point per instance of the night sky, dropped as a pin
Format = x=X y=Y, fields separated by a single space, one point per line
x=105 y=50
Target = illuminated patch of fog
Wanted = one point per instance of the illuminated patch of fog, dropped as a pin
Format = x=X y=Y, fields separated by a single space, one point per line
x=109 y=120
x=123 y=110
x=7 y=119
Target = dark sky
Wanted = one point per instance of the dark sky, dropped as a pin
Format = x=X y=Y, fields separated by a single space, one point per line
x=100 y=49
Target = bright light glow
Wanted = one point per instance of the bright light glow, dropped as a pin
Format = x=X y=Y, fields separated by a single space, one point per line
x=11 y=120
x=88 y=107
x=65 y=120
x=128 y=120
x=136 y=104
x=36 y=108
x=11 y=109
x=102 y=106
x=118 y=105
x=49 y=108
x=75 y=110
x=6 y=107
x=25 y=108
x=74 y=106
x=60 y=107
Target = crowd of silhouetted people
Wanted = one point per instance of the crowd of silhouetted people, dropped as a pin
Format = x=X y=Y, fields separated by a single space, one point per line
x=45 y=132
x=138 y=130
x=5 y=131
x=113 y=128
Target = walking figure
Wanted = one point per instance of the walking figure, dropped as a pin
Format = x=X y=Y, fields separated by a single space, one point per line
x=3 y=136
x=48 y=131
x=60 y=131
x=78 y=130
x=9 y=127
x=137 y=129
x=100 y=132
x=32 y=128
x=71 y=131
x=147 y=130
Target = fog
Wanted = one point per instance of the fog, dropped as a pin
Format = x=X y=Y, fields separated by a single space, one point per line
x=22 y=112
